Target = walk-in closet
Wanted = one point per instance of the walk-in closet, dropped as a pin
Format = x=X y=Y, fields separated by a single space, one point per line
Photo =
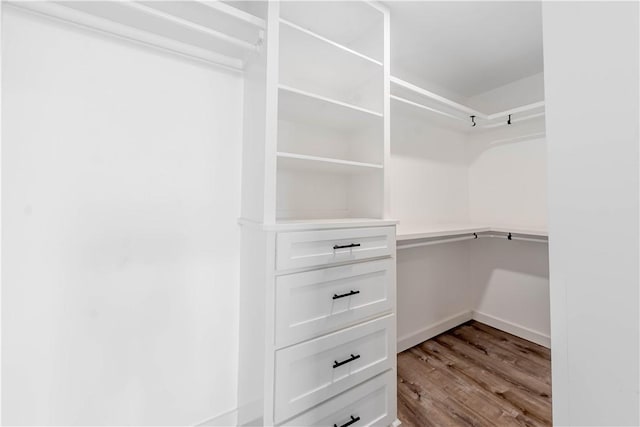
x=320 y=213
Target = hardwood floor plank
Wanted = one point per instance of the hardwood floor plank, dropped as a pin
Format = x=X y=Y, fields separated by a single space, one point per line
x=471 y=404
x=507 y=371
x=531 y=351
x=485 y=344
x=475 y=375
x=516 y=398
x=531 y=347
x=492 y=406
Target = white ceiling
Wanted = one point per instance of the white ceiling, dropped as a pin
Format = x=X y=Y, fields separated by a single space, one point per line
x=466 y=48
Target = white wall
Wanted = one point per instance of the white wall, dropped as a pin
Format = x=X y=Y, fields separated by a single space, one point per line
x=120 y=193
x=424 y=158
x=428 y=186
x=433 y=291
x=510 y=286
x=591 y=53
x=495 y=177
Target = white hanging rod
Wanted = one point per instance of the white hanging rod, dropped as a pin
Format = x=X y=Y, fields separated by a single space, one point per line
x=435 y=242
x=436 y=97
x=474 y=236
x=516 y=120
x=106 y=26
x=510 y=236
x=234 y=12
x=463 y=108
x=522 y=109
x=190 y=25
x=424 y=107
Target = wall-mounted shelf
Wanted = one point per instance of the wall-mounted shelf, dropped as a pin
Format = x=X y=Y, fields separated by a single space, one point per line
x=211 y=32
x=452 y=230
x=305 y=107
x=456 y=233
x=457 y=113
x=292 y=161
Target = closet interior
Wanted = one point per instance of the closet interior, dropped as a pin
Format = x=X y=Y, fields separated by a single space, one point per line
x=361 y=138
x=391 y=190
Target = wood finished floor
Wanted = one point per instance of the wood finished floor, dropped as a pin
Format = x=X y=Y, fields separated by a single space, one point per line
x=475 y=375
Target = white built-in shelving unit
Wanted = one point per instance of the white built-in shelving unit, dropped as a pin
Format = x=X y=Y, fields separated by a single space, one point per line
x=331 y=111
x=317 y=322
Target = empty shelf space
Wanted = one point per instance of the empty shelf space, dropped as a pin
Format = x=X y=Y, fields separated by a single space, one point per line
x=356 y=25
x=304 y=162
x=315 y=64
x=304 y=107
x=313 y=38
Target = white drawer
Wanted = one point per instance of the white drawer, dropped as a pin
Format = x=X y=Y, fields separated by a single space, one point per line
x=315 y=302
x=310 y=248
x=368 y=404
x=314 y=371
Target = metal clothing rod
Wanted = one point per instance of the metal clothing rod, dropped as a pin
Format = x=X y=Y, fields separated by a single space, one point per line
x=435 y=242
x=516 y=110
x=523 y=239
x=463 y=108
x=112 y=28
x=424 y=107
x=191 y=25
x=234 y=12
x=519 y=119
x=438 y=98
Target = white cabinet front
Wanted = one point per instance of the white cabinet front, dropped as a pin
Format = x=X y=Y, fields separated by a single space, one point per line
x=315 y=302
x=314 y=371
x=369 y=404
x=299 y=249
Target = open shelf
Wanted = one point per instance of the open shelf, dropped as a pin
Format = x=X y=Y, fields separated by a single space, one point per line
x=317 y=224
x=326 y=41
x=212 y=32
x=453 y=113
x=294 y=161
x=452 y=230
x=317 y=65
x=355 y=25
x=305 y=107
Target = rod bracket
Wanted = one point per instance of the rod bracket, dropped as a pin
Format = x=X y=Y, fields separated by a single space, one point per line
x=509 y=237
x=473 y=121
x=475 y=235
x=509 y=120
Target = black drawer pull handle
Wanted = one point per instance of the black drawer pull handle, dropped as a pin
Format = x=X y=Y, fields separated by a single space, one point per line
x=351 y=359
x=348 y=294
x=350 y=245
x=348 y=423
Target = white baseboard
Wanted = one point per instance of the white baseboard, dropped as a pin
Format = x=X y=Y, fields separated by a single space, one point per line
x=249 y=415
x=512 y=328
x=415 y=338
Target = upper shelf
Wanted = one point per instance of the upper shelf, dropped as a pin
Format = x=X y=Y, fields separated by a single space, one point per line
x=304 y=107
x=209 y=31
x=456 y=113
x=356 y=25
x=311 y=62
